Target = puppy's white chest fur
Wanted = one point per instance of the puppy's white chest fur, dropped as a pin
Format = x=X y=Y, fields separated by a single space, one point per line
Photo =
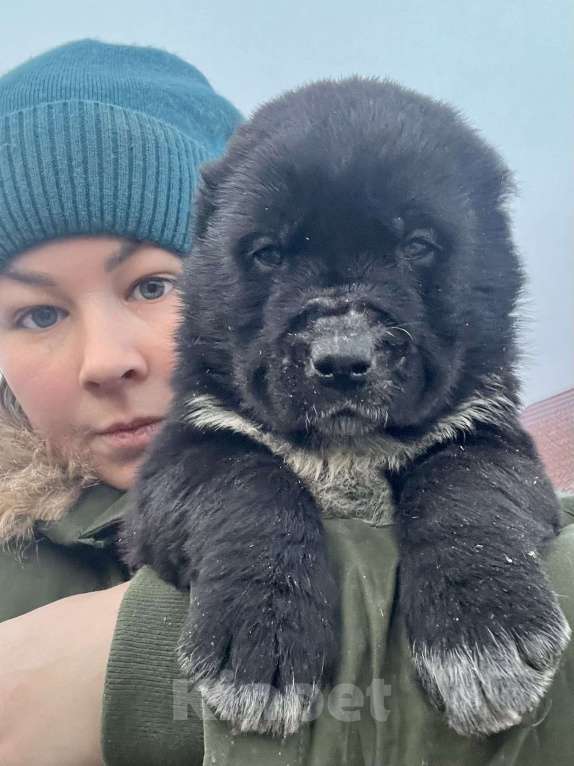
x=350 y=484
x=345 y=486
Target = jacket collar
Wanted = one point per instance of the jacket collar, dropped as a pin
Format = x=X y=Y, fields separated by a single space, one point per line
x=39 y=491
x=90 y=520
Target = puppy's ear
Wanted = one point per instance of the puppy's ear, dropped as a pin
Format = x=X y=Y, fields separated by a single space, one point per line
x=211 y=176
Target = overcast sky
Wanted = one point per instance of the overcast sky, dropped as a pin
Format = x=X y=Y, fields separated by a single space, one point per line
x=509 y=66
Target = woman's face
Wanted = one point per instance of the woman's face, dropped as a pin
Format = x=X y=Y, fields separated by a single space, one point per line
x=86 y=342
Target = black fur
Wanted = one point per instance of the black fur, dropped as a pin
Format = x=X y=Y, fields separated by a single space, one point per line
x=349 y=313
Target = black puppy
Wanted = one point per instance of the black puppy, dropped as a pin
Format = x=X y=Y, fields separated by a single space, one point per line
x=347 y=346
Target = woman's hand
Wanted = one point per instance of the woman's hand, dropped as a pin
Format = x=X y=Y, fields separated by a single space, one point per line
x=52 y=670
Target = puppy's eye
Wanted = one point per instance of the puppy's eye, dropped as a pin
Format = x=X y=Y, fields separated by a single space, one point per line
x=419 y=249
x=268 y=257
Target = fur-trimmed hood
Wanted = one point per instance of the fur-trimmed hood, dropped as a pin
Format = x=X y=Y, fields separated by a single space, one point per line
x=35 y=485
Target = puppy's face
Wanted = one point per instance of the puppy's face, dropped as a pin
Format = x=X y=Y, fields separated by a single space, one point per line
x=353 y=270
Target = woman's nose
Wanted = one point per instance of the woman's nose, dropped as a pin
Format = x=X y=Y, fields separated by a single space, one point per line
x=113 y=352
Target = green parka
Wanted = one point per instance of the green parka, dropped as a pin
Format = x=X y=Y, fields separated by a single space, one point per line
x=375 y=714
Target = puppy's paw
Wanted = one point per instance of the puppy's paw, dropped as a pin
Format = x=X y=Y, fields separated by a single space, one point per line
x=257 y=707
x=259 y=668
x=486 y=688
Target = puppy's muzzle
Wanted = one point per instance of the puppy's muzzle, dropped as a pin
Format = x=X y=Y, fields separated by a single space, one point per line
x=342 y=352
x=348 y=349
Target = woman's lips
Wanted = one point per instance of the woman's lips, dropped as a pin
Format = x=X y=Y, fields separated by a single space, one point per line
x=134 y=438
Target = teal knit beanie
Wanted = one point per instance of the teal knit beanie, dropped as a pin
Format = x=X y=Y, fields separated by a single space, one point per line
x=105 y=139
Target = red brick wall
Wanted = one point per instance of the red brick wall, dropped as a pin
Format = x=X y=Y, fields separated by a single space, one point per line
x=551 y=424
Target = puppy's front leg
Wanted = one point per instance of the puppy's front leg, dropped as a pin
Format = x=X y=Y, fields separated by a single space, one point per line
x=485 y=628
x=222 y=515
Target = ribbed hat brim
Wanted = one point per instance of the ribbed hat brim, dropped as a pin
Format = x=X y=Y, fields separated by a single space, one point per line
x=85 y=167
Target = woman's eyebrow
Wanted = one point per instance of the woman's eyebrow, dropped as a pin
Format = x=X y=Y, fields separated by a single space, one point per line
x=29 y=278
x=37 y=279
x=126 y=249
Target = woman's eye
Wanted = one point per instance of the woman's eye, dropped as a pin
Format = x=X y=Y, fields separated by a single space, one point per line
x=153 y=288
x=43 y=316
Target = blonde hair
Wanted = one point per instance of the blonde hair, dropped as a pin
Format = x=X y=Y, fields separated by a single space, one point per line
x=9 y=404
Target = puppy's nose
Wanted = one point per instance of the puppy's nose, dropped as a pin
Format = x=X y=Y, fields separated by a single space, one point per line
x=342 y=360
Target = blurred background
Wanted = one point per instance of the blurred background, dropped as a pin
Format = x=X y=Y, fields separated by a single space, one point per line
x=509 y=67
